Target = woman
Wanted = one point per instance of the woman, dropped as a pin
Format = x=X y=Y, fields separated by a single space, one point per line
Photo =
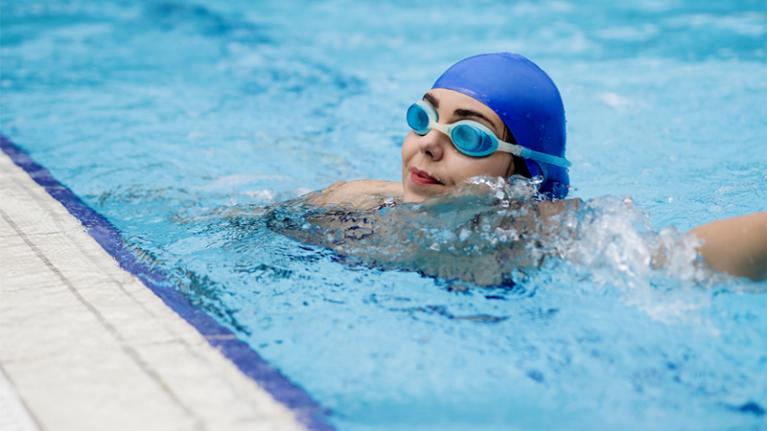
x=499 y=115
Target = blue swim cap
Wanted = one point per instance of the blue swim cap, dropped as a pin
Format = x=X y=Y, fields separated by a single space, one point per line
x=526 y=100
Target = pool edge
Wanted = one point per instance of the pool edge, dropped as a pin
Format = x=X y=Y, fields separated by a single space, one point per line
x=305 y=409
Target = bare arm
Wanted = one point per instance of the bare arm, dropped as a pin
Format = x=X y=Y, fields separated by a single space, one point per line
x=358 y=194
x=398 y=240
x=737 y=245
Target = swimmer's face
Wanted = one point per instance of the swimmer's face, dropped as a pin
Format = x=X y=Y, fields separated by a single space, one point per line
x=431 y=165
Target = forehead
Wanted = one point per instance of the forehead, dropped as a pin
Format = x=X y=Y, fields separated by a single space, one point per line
x=451 y=100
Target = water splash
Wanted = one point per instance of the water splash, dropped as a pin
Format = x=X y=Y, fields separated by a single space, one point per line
x=495 y=232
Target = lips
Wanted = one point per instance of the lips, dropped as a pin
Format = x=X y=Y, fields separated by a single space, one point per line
x=421 y=177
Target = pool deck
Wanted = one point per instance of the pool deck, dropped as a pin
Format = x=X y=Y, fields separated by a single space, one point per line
x=85 y=345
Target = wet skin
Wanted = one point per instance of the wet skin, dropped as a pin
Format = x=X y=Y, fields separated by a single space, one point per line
x=431 y=165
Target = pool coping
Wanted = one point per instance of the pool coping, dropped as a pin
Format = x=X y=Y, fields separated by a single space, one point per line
x=305 y=409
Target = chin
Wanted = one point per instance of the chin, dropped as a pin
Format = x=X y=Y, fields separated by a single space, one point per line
x=412 y=197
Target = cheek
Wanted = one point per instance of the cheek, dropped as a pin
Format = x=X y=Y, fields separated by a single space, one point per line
x=409 y=147
x=501 y=164
x=495 y=166
x=498 y=164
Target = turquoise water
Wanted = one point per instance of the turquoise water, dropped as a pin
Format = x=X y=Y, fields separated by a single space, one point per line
x=178 y=121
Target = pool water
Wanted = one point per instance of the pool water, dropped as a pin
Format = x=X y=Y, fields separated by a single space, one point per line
x=181 y=121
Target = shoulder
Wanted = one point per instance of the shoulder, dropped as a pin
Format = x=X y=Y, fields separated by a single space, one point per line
x=361 y=194
x=550 y=209
x=367 y=186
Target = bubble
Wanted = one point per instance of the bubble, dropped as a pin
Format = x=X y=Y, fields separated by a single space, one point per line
x=488 y=230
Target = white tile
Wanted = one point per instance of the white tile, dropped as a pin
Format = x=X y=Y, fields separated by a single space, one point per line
x=209 y=392
x=116 y=394
x=17 y=259
x=13 y=414
x=45 y=330
x=6 y=231
x=89 y=347
x=27 y=215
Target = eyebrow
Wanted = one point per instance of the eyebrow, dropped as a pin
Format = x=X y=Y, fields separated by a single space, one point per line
x=460 y=112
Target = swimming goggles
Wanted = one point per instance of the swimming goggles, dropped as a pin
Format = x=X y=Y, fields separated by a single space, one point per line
x=472 y=138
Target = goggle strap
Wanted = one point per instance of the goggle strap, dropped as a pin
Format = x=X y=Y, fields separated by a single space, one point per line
x=506 y=147
x=517 y=150
x=527 y=153
x=545 y=158
x=444 y=128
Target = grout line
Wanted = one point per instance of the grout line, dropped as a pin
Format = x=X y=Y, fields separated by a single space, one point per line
x=130 y=351
x=121 y=286
x=304 y=408
x=14 y=392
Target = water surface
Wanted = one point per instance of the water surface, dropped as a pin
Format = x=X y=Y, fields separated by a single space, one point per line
x=179 y=121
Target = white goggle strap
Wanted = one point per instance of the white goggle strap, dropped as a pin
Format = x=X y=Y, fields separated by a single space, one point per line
x=517 y=150
x=444 y=128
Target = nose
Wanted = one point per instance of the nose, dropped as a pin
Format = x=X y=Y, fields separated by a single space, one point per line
x=432 y=145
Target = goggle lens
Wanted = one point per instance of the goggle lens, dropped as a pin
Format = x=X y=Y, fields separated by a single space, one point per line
x=469 y=139
x=472 y=138
x=472 y=141
x=418 y=119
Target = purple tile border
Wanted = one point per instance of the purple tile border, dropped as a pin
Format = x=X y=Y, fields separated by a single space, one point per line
x=307 y=411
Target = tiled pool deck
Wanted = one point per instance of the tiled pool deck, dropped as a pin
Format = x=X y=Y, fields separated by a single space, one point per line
x=85 y=345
